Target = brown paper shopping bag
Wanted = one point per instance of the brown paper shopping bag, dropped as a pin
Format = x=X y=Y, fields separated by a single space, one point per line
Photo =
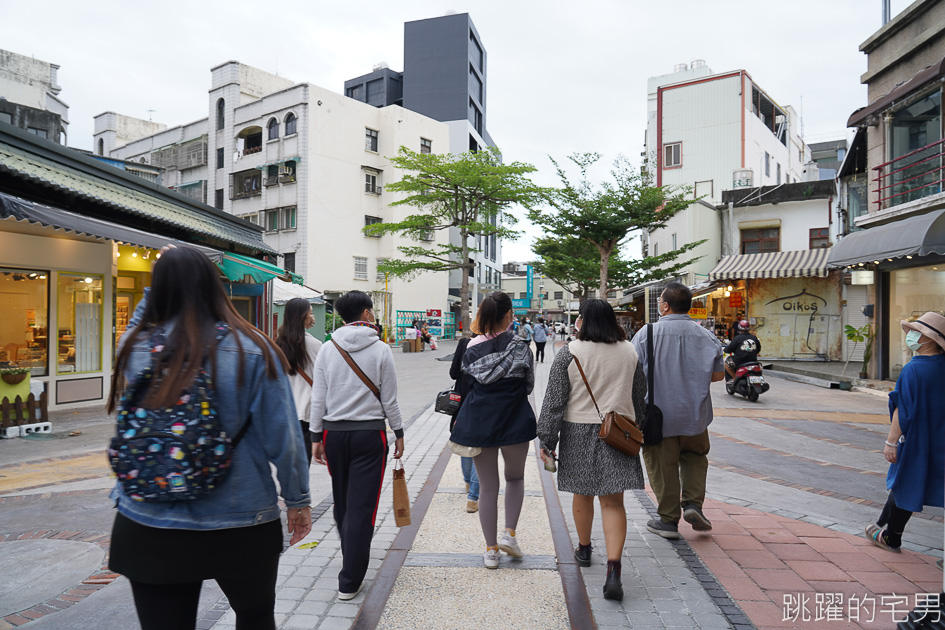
x=401 y=498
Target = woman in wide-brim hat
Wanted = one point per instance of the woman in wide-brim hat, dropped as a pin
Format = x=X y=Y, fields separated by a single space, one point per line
x=915 y=445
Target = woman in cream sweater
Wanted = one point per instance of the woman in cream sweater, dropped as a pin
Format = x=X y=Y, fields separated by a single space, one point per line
x=587 y=466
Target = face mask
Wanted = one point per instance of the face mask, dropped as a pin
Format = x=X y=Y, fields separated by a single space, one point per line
x=912 y=340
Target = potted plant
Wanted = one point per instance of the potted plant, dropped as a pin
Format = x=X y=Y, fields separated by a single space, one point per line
x=14 y=375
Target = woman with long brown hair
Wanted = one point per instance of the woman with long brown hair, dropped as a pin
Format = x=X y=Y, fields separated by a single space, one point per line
x=300 y=349
x=186 y=331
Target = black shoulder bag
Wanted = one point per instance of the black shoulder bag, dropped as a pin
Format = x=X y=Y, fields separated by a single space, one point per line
x=653 y=420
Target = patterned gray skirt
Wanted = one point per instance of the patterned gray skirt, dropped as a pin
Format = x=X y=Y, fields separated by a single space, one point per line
x=588 y=466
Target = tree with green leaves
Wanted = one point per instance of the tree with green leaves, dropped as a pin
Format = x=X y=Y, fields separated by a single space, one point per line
x=607 y=215
x=470 y=192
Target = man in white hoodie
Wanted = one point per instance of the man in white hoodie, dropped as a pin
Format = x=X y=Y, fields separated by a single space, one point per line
x=354 y=388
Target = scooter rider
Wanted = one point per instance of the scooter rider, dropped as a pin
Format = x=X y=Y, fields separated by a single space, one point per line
x=744 y=348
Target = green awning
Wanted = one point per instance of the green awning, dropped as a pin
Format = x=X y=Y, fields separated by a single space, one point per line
x=236 y=267
x=295 y=159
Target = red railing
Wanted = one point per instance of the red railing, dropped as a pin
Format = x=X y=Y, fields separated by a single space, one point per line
x=916 y=174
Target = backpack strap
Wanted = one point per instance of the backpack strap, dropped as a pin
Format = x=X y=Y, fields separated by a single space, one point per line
x=307 y=378
x=357 y=370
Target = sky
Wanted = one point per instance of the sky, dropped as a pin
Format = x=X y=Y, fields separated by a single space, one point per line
x=562 y=76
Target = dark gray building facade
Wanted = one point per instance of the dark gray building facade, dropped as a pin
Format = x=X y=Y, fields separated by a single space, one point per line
x=444 y=76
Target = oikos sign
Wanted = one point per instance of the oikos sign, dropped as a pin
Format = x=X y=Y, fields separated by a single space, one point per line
x=801 y=303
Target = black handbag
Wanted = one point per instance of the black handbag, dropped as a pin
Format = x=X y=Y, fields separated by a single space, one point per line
x=652 y=425
x=448 y=402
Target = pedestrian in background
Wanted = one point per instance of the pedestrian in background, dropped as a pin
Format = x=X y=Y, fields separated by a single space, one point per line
x=497 y=417
x=587 y=466
x=470 y=477
x=687 y=359
x=541 y=337
x=915 y=444
x=300 y=350
x=349 y=432
x=232 y=534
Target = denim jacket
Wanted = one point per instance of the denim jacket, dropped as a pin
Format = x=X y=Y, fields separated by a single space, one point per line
x=248 y=495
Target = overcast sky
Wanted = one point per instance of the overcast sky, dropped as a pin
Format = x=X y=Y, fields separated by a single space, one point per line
x=563 y=76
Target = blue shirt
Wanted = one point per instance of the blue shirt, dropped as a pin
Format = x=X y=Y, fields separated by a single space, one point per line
x=541 y=333
x=685 y=356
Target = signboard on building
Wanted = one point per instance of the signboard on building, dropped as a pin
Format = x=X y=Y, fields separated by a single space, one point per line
x=523 y=303
x=434 y=312
x=861 y=276
x=698 y=313
x=735 y=300
x=529 y=280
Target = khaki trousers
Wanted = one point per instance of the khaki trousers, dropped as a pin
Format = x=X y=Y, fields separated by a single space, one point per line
x=677 y=469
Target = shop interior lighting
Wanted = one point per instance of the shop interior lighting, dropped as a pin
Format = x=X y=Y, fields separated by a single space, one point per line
x=43 y=277
x=117 y=254
x=88 y=281
x=158 y=255
x=134 y=254
x=727 y=293
x=729 y=288
x=909 y=257
x=861 y=264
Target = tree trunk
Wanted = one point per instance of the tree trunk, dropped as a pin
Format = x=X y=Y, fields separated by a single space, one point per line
x=604 y=270
x=464 y=285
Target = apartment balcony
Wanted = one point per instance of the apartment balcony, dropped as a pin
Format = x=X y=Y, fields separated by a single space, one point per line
x=910 y=177
x=373 y=190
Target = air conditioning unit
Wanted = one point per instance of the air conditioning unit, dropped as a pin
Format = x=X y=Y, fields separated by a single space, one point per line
x=560 y=302
x=286 y=171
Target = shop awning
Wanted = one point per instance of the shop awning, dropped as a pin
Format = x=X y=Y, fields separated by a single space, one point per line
x=897 y=94
x=915 y=236
x=235 y=267
x=704 y=288
x=283 y=292
x=14 y=208
x=791 y=264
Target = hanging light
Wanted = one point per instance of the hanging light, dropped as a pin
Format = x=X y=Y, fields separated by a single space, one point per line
x=88 y=281
x=729 y=288
x=134 y=254
x=861 y=264
x=909 y=257
x=117 y=254
x=147 y=254
x=43 y=277
x=159 y=255
x=727 y=293
x=875 y=262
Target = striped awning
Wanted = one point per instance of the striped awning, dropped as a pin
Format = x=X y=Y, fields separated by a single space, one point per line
x=793 y=264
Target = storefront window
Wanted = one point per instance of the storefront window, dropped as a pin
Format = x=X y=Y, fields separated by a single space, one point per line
x=80 y=323
x=24 y=318
x=912 y=293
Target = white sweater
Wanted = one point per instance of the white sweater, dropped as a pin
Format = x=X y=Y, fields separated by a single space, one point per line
x=301 y=390
x=339 y=395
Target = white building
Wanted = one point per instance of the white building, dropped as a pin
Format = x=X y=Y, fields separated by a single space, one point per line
x=306 y=163
x=29 y=96
x=715 y=132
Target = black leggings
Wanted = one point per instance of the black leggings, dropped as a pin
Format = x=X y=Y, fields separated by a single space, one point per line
x=174 y=606
x=540 y=352
x=894 y=519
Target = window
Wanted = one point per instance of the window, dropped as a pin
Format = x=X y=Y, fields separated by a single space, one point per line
x=913 y=136
x=672 y=155
x=778 y=171
x=761 y=240
x=220 y=158
x=475 y=84
x=355 y=92
x=426 y=146
x=290 y=124
x=767 y=165
x=488 y=275
x=288 y=261
x=819 y=237
x=612 y=294
x=360 y=268
x=272 y=175
x=674 y=240
x=40 y=132
x=478 y=272
x=370 y=184
x=656 y=249
x=221 y=110
x=101 y=147
x=559 y=295
x=24 y=319
x=288 y=218
x=523 y=295
x=380 y=276
x=273 y=127
x=252 y=217
x=218 y=199
x=369 y=220
x=592 y=293
x=475 y=51
x=370 y=140
x=79 y=321
x=6 y=117
x=475 y=116
x=472 y=267
x=246 y=184
x=272 y=221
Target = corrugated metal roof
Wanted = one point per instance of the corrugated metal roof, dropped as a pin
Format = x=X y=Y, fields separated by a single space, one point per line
x=39 y=169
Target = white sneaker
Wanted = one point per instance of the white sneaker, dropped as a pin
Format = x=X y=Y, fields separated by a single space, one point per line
x=509 y=545
x=348 y=596
x=491 y=558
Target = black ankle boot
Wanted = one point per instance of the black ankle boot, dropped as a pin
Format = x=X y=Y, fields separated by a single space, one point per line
x=583 y=555
x=613 y=589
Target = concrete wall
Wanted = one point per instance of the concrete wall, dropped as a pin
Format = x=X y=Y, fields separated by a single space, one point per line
x=795 y=219
x=118 y=130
